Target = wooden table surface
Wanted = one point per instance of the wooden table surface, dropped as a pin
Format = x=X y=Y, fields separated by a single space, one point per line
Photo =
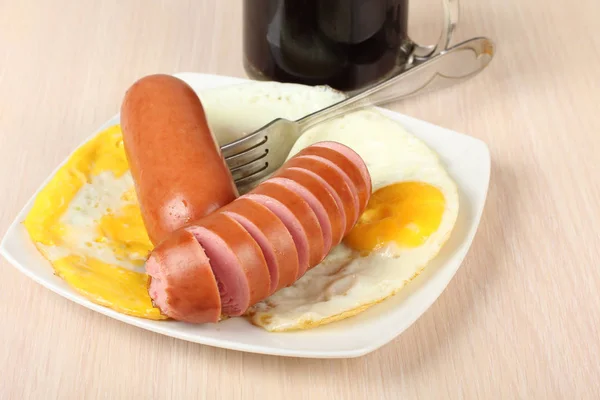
x=519 y=320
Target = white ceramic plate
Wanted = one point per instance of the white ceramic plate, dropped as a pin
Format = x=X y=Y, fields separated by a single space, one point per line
x=468 y=162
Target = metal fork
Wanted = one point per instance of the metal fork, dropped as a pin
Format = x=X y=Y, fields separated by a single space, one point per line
x=256 y=156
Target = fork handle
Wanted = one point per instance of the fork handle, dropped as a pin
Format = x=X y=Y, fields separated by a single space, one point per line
x=451 y=66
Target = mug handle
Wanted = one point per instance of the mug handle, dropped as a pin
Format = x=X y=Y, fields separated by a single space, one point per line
x=421 y=53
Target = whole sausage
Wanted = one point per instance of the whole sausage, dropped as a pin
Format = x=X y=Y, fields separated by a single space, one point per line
x=177 y=167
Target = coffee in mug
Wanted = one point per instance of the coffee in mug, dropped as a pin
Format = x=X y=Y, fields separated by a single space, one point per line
x=346 y=44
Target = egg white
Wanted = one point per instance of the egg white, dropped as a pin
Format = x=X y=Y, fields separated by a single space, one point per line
x=235 y=110
x=346 y=283
x=81 y=217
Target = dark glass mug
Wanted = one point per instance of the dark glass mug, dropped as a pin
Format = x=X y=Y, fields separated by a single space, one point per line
x=346 y=44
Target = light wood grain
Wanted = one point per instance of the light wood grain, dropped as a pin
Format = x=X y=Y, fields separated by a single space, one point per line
x=520 y=319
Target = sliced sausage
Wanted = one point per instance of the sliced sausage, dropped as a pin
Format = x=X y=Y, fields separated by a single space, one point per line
x=315 y=205
x=303 y=212
x=262 y=241
x=299 y=219
x=319 y=190
x=336 y=180
x=177 y=167
x=293 y=226
x=182 y=284
x=237 y=262
x=349 y=162
x=352 y=156
x=272 y=236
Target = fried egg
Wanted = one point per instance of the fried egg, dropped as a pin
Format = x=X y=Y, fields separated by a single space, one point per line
x=86 y=221
x=410 y=215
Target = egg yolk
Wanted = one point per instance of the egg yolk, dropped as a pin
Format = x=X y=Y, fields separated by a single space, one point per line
x=404 y=213
x=125 y=228
x=108 y=285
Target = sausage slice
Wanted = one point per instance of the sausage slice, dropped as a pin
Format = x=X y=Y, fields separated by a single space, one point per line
x=237 y=262
x=272 y=236
x=349 y=162
x=182 y=284
x=337 y=181
x=303 y=212
x=318 y=188
x=352 y=156
x=315 y=205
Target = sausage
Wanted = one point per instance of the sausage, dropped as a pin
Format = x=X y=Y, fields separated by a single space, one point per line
x=351 y=155
x=182 y=284
x=318 y=187
x=349 y=162
x=303 y=214
x=237 y=262
x=272 y=236
x=314 y=203
x=292 y=224
x=177 y=167
x=264 y=240
x=336 y=181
